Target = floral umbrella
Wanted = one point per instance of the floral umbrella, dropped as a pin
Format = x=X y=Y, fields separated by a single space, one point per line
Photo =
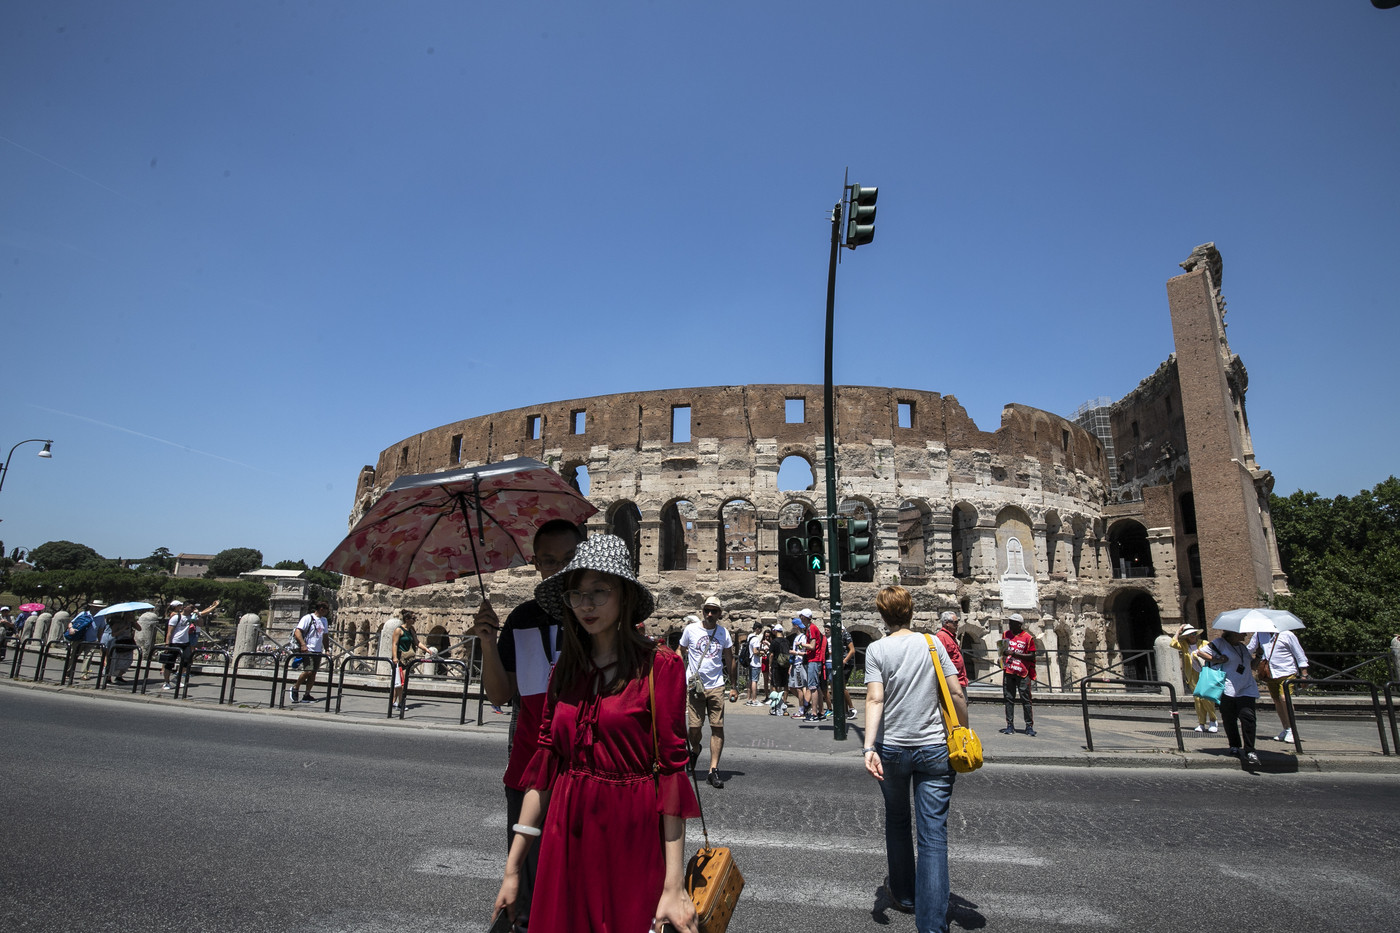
x=436 y=527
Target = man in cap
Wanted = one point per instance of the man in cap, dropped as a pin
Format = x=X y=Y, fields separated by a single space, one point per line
x=1018 y=673
x=709 y=653
x=948 y=635
x=81 y=634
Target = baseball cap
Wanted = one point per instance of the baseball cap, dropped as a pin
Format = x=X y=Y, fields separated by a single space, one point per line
x=1015 y=618
x=806 y=613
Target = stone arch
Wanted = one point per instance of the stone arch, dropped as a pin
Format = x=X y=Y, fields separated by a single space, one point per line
x=789 y=470
x=737 y=546
x=914 y=515
x=575 y=473
x=438 y=638
x=794 y=576
x=863 y=635
x=1135 y=619
x=965 y=520
x=1129 y=552
x=677 y=546
x=624 y=519
x=860 y=507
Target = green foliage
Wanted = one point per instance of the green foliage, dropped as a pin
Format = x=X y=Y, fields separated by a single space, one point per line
x=315 y=575
x=243 y=596
x=160 y=559
x=233 y=561
x=1342 y=557
x=63 y=555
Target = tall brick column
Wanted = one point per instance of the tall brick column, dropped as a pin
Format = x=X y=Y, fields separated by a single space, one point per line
x=1235 y=564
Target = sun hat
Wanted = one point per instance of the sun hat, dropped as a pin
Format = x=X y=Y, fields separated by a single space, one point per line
x=712 y=601
x=948 y=616
x=605 y=554
x=98 y=603
x=1187 y=629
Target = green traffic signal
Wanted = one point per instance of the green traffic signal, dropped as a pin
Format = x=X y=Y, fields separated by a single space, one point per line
x=860 y=223
x=816 y=550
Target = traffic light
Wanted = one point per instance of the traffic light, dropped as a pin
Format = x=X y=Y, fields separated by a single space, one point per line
x=858 y=544
x=816 y=552
x=860 y=220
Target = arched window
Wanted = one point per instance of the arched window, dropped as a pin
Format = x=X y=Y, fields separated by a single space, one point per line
x=625 y=521
x=677 y=546
x=795 y=474
x=738 y=536
x=1128 y=550
x=794 y=575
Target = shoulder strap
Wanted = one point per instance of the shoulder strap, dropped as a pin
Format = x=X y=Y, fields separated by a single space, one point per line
x=951 y=713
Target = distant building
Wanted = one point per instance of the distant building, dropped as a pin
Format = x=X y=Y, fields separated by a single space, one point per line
x=188 y=566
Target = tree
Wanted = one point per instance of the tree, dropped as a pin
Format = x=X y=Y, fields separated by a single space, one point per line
x=63 y=555
x=315 y=575
x=1342 y=557
x=160 y=559
x=233 y=561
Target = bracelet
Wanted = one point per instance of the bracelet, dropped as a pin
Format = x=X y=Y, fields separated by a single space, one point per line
x=867 y=751
x=527 y=830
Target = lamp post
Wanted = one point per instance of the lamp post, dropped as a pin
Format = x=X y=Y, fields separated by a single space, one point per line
x=46 y=453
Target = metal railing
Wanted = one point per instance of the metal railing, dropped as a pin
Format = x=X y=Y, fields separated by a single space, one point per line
x=466 y=686
x=340 y=687
x=1288 y=686
x=1084 y=705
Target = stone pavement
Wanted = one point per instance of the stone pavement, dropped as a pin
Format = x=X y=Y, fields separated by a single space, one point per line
x=1124 y=736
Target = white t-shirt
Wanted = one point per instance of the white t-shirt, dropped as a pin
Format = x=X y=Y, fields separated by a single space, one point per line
x=180 y=626
x=704 y=652
x=1284 y=654
x=755 y=646
x=313 y=629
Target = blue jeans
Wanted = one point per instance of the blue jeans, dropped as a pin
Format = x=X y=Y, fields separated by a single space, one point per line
x=927 y=770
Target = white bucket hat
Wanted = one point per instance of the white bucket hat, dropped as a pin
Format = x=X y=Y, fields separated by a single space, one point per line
x=605 y=554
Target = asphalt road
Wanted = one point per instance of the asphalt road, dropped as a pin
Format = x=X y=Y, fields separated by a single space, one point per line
x=156 y=817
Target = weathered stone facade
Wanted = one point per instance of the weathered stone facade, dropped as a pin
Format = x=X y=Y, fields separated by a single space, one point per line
x=690 y=478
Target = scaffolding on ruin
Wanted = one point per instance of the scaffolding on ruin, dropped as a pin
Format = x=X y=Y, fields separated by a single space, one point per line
x=1093 y=416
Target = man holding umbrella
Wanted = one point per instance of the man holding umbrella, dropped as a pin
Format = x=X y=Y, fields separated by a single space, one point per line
x=519 y=664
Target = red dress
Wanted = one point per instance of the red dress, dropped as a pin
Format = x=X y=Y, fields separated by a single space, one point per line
x=602 y=862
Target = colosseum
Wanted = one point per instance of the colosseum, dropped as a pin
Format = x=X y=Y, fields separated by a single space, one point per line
x=1103 y=530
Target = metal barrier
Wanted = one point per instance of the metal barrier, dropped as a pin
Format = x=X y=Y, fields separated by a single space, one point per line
x=450 y=663
x=180 y=666
x=216 y=651
x=283 y=674
x=1390 y=710
x=262 y=656
x=105 y=668
x=1375 y=706
x=1084 y=704
x=1046 y=662
x=340 y=687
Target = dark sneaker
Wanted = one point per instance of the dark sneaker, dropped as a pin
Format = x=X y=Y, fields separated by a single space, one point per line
x=1009 y=730
x=1030 y=732
x=901 y=906
x=714 y=780
x=296 y=697
x=308 y=699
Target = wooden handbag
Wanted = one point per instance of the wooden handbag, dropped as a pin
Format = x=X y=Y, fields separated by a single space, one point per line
x=712 y=878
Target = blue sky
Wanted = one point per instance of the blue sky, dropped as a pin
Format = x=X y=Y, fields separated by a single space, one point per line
x=244 y=247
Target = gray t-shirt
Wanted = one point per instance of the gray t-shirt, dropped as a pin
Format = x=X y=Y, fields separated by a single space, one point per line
x=912 y=716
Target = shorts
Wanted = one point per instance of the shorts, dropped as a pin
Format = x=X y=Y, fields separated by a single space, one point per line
x=797 y=676
x=816 y=675
x=699 y=704
x=755 y=672
x=1275 y=685
x=310 y=663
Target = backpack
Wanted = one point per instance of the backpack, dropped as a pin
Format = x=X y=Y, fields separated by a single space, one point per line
x=75 y=629
x=745 y=656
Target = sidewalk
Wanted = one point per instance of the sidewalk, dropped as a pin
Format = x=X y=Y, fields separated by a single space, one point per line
x=1124 y=735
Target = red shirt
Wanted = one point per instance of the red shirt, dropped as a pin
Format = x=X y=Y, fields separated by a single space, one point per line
x=816 y=644
x=1024 y=643
x=950 y=644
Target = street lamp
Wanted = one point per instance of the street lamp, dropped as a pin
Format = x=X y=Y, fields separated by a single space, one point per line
x=46 y=453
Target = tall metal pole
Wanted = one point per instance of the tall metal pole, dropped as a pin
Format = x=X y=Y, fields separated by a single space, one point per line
x=838 y=690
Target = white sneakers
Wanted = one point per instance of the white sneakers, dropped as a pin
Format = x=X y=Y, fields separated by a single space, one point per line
x=1285 y=736
x=1213 y=727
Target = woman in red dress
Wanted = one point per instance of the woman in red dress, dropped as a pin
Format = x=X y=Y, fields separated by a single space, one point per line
x=612 y=847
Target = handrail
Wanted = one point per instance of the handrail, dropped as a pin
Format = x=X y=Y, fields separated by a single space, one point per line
x=1390 y=710
x=1084 y=704
x=284 y=673
x=340 y=688
x=221 y=652
x=276 y=663
x=104 y=670
x=450 y=662
x=1288 y=686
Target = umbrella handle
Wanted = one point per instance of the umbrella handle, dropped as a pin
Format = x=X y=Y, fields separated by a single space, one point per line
x=471 y=539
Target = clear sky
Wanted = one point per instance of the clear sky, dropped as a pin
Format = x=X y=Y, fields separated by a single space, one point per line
x=246 y=246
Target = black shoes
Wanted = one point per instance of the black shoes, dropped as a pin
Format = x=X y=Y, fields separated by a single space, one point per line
x=1009 y=730
x=714 y=780
x=896 y=904
x=1030 y=732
